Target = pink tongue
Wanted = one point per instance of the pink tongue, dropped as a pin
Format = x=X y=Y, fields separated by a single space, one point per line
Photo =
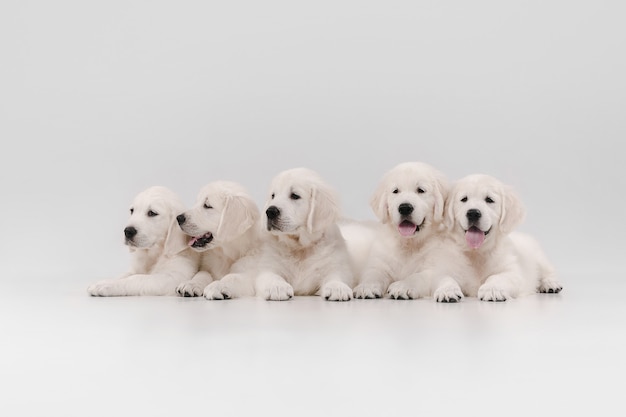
x=193 y=240
x=474 y=237
x=407 y=228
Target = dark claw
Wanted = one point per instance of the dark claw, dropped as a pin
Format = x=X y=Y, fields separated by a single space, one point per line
x=226 y=296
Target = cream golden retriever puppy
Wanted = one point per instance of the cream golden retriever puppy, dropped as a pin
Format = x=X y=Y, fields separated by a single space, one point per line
x=493 y=263
x=223 y=226
x=408 y=250
x=304 y=252
x=160 y=259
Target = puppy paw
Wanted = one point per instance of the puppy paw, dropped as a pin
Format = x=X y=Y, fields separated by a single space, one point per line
x=550 y=286
x=399 y=290
x=217 y=291
x=368 y=291
x=105 y=288
x=450 y=293
x=336 y=291
x=278 y=292
x=189 y=289
x=492 y=293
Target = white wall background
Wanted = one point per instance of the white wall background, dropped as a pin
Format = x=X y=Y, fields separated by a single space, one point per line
x=101 y=99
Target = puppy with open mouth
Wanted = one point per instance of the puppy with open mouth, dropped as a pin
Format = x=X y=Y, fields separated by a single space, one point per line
x=223 y=227
x=493 y=263
x=408 y=249
x=303 y=252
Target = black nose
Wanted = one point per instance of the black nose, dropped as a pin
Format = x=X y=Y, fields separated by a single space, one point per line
x=272 y=212
x=405 y=209
x=180 y=219
x=130 y=232
x=473 y=215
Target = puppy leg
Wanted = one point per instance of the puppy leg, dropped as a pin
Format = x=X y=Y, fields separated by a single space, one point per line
x=499 y=287
x=371 y=289
x=415 y=286
x=273 y=287
x=195 y=287
x=231 y=286
x=139 y=284
x=447 y=290
x=334 y=289
x=548 y=281
x=373 y=284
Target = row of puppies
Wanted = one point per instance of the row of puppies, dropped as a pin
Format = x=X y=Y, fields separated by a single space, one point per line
x=432 y=241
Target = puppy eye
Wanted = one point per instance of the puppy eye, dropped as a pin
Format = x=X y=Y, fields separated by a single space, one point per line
x=207 y=206
x=132 y=211
x=464 y=200
x=273 y=196
x=420 y=190
x=294 y=196
x=489 y=200
x=152 y=213
x=395 y=191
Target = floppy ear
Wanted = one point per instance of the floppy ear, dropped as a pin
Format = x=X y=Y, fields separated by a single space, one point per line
x=176 y=240
x=378 y=203
x=238 y=215
x=448 y=212
x=323 y=210
x=512 y=211
x=441 y=192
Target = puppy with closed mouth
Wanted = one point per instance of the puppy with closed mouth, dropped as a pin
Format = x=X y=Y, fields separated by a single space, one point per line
x=223 y=227
x=408 y=250
x=494 y=263
x=160 y=259
x=304 y=252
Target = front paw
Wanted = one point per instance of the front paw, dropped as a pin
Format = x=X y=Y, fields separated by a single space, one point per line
x=189 y=289
x=105 y=288
x=448 y=294
x=336 y=291
x=399 y=290
x=492 y=293
x=368 y=291
x=278 y=292
x=549 y=286
x=217 y=291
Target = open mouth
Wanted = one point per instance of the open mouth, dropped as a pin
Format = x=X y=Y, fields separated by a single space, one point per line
x=201 y=241
x=408 y=228
x=475 y=237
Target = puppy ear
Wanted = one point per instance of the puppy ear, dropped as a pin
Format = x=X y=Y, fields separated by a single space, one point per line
x=378 y=203
x=323 y=210
x=239 y=214
x=441 y=192
x=176 y=240
x=512 y=211
x=448 y=212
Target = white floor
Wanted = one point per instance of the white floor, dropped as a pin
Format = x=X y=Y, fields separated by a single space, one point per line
x=64 y=353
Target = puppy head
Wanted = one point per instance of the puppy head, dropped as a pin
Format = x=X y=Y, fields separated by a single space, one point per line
x=410 y=198
x=300 y=201
x=153 y=221
x=223 y=212
x=480 y=206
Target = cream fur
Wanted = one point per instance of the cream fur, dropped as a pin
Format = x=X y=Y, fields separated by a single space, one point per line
x=304 y=252
x=159 y=258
